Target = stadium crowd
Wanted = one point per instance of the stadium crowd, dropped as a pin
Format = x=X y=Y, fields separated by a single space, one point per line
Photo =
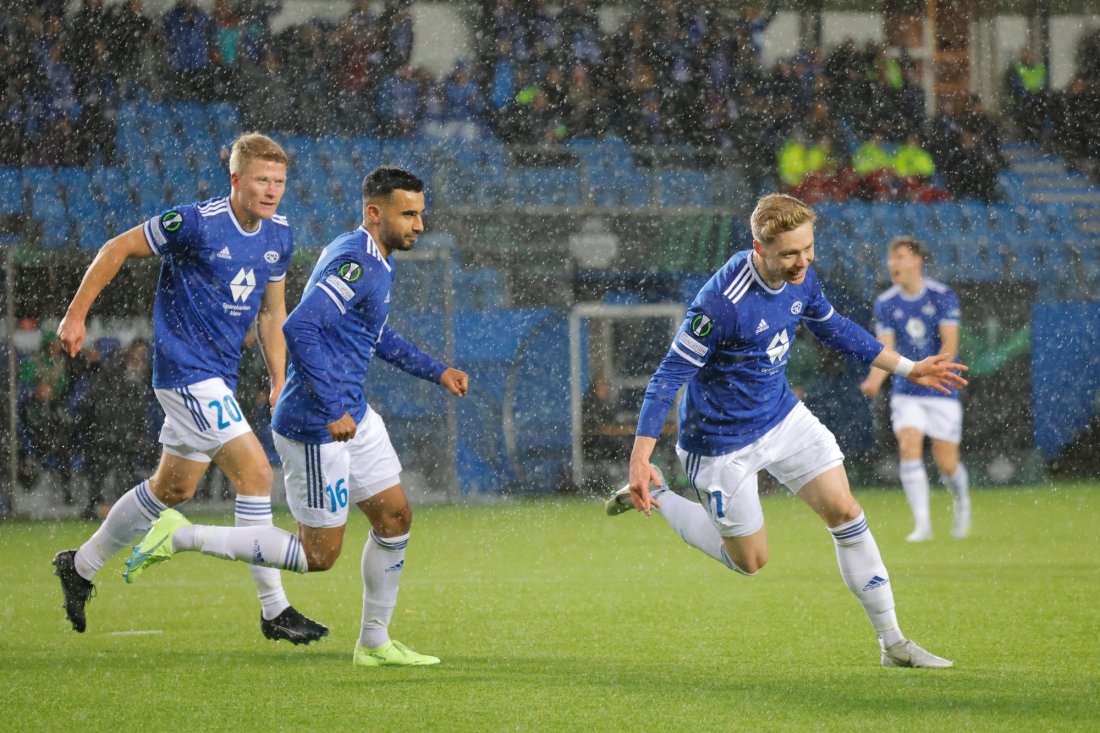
x=850 y=122
x=95 y=417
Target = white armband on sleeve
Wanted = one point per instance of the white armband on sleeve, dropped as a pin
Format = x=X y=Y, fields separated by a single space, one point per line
x=904 y=367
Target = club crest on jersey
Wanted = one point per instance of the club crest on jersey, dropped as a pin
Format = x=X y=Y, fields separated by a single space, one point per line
x=271 y=257
x=796 y=307
x=779 y=346
x=351 y=271
x=172 y=221
x=243 y=284
x=928 y=309
x=701 y=325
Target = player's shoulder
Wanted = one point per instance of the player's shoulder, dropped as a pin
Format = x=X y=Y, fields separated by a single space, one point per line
x=888 y=294
x=729 y=285
x=212 y=208
x=938 y=288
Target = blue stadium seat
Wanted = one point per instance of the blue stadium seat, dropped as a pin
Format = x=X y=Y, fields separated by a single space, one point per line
x=546 y=187
x=481 y=288
x=11 y=191
x=635 y=187
x=367 y=153
x=681 y=187
x=1026 y=261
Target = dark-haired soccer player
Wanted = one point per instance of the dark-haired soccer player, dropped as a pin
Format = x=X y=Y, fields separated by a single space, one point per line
x=335 y=449
x=223 y=266
x=739 y=416
x=920 y=317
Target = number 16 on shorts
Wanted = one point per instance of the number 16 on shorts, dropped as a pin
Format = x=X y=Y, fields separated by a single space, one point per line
x=316 y=478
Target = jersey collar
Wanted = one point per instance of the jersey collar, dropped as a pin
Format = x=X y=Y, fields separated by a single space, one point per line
x=760 y=281
x=242 y=230
x=372 y=248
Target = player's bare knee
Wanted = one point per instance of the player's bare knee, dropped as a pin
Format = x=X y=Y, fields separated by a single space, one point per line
x=320 y=559
x=257 y=481
x=169 y=492
x=394 y=522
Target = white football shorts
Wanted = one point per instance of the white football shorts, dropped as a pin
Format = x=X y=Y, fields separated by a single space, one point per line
x=323 y=480
x=796 y=451
x=199 y=419
x=940 y=418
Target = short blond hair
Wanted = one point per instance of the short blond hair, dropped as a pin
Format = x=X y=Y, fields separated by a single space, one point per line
x=777 y=213
x=252 y=145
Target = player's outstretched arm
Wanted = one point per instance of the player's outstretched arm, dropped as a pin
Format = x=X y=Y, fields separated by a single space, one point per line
x=108 y=261
x=642 y=473
x=456 y=381
x=872 y=385
x=938 y=371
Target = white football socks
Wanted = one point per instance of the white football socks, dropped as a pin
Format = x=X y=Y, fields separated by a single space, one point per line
x=865 y=575
x=255 y=511
x=914 y=480
x=693 y=524
x=383 y=559
x=267 y=546
x=129 y=518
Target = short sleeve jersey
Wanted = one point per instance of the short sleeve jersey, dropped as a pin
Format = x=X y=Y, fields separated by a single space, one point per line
x=347 y=300
x=915 y=322
x=212 y=277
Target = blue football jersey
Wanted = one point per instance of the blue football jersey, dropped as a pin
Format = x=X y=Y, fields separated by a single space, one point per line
x=732 y=352
x=212 y=278
x=332 y=335
x=915 y=322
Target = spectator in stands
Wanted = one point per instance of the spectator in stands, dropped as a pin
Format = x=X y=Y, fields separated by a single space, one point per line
x=465 y=107
x=913 y=168
x=130 y=38
x=124 y=437
x=1025 y=95
x=399 y=103
x=1075 y=114
x=46 y=438
x=88 y=25
x=874 y=165
x=267 y=106
x=99 y=98
x=189 y=37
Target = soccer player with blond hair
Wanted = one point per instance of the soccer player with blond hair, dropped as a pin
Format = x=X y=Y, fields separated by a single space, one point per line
x=739 y=416
x=223 y=267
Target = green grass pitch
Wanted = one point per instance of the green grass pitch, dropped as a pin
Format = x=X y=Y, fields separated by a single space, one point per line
x=551 y=616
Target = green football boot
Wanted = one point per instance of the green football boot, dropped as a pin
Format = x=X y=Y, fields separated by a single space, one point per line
x=156 y=546
x=390 y=654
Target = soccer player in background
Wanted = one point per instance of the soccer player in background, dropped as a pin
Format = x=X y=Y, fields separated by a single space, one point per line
x=335 y=449
x=223 y=266
x=739 y=416
x=920 y=317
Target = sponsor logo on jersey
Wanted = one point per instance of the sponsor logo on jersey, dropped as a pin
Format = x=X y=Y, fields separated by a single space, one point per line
x=796 y=307
x=224 y=254
x=243 y=284
x=762 y=327
x=172 y=221
x=341 y=287
x=351 y=271
x=692 y=344
x=779 y=346
x=271 y=257
x=701 y=325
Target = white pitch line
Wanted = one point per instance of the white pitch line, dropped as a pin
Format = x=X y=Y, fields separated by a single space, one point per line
x=135 y=632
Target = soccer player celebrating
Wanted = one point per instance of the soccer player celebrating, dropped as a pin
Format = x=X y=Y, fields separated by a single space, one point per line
x=223 y=266
x=335 y=449
x=739 y=416
x=920 y=317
